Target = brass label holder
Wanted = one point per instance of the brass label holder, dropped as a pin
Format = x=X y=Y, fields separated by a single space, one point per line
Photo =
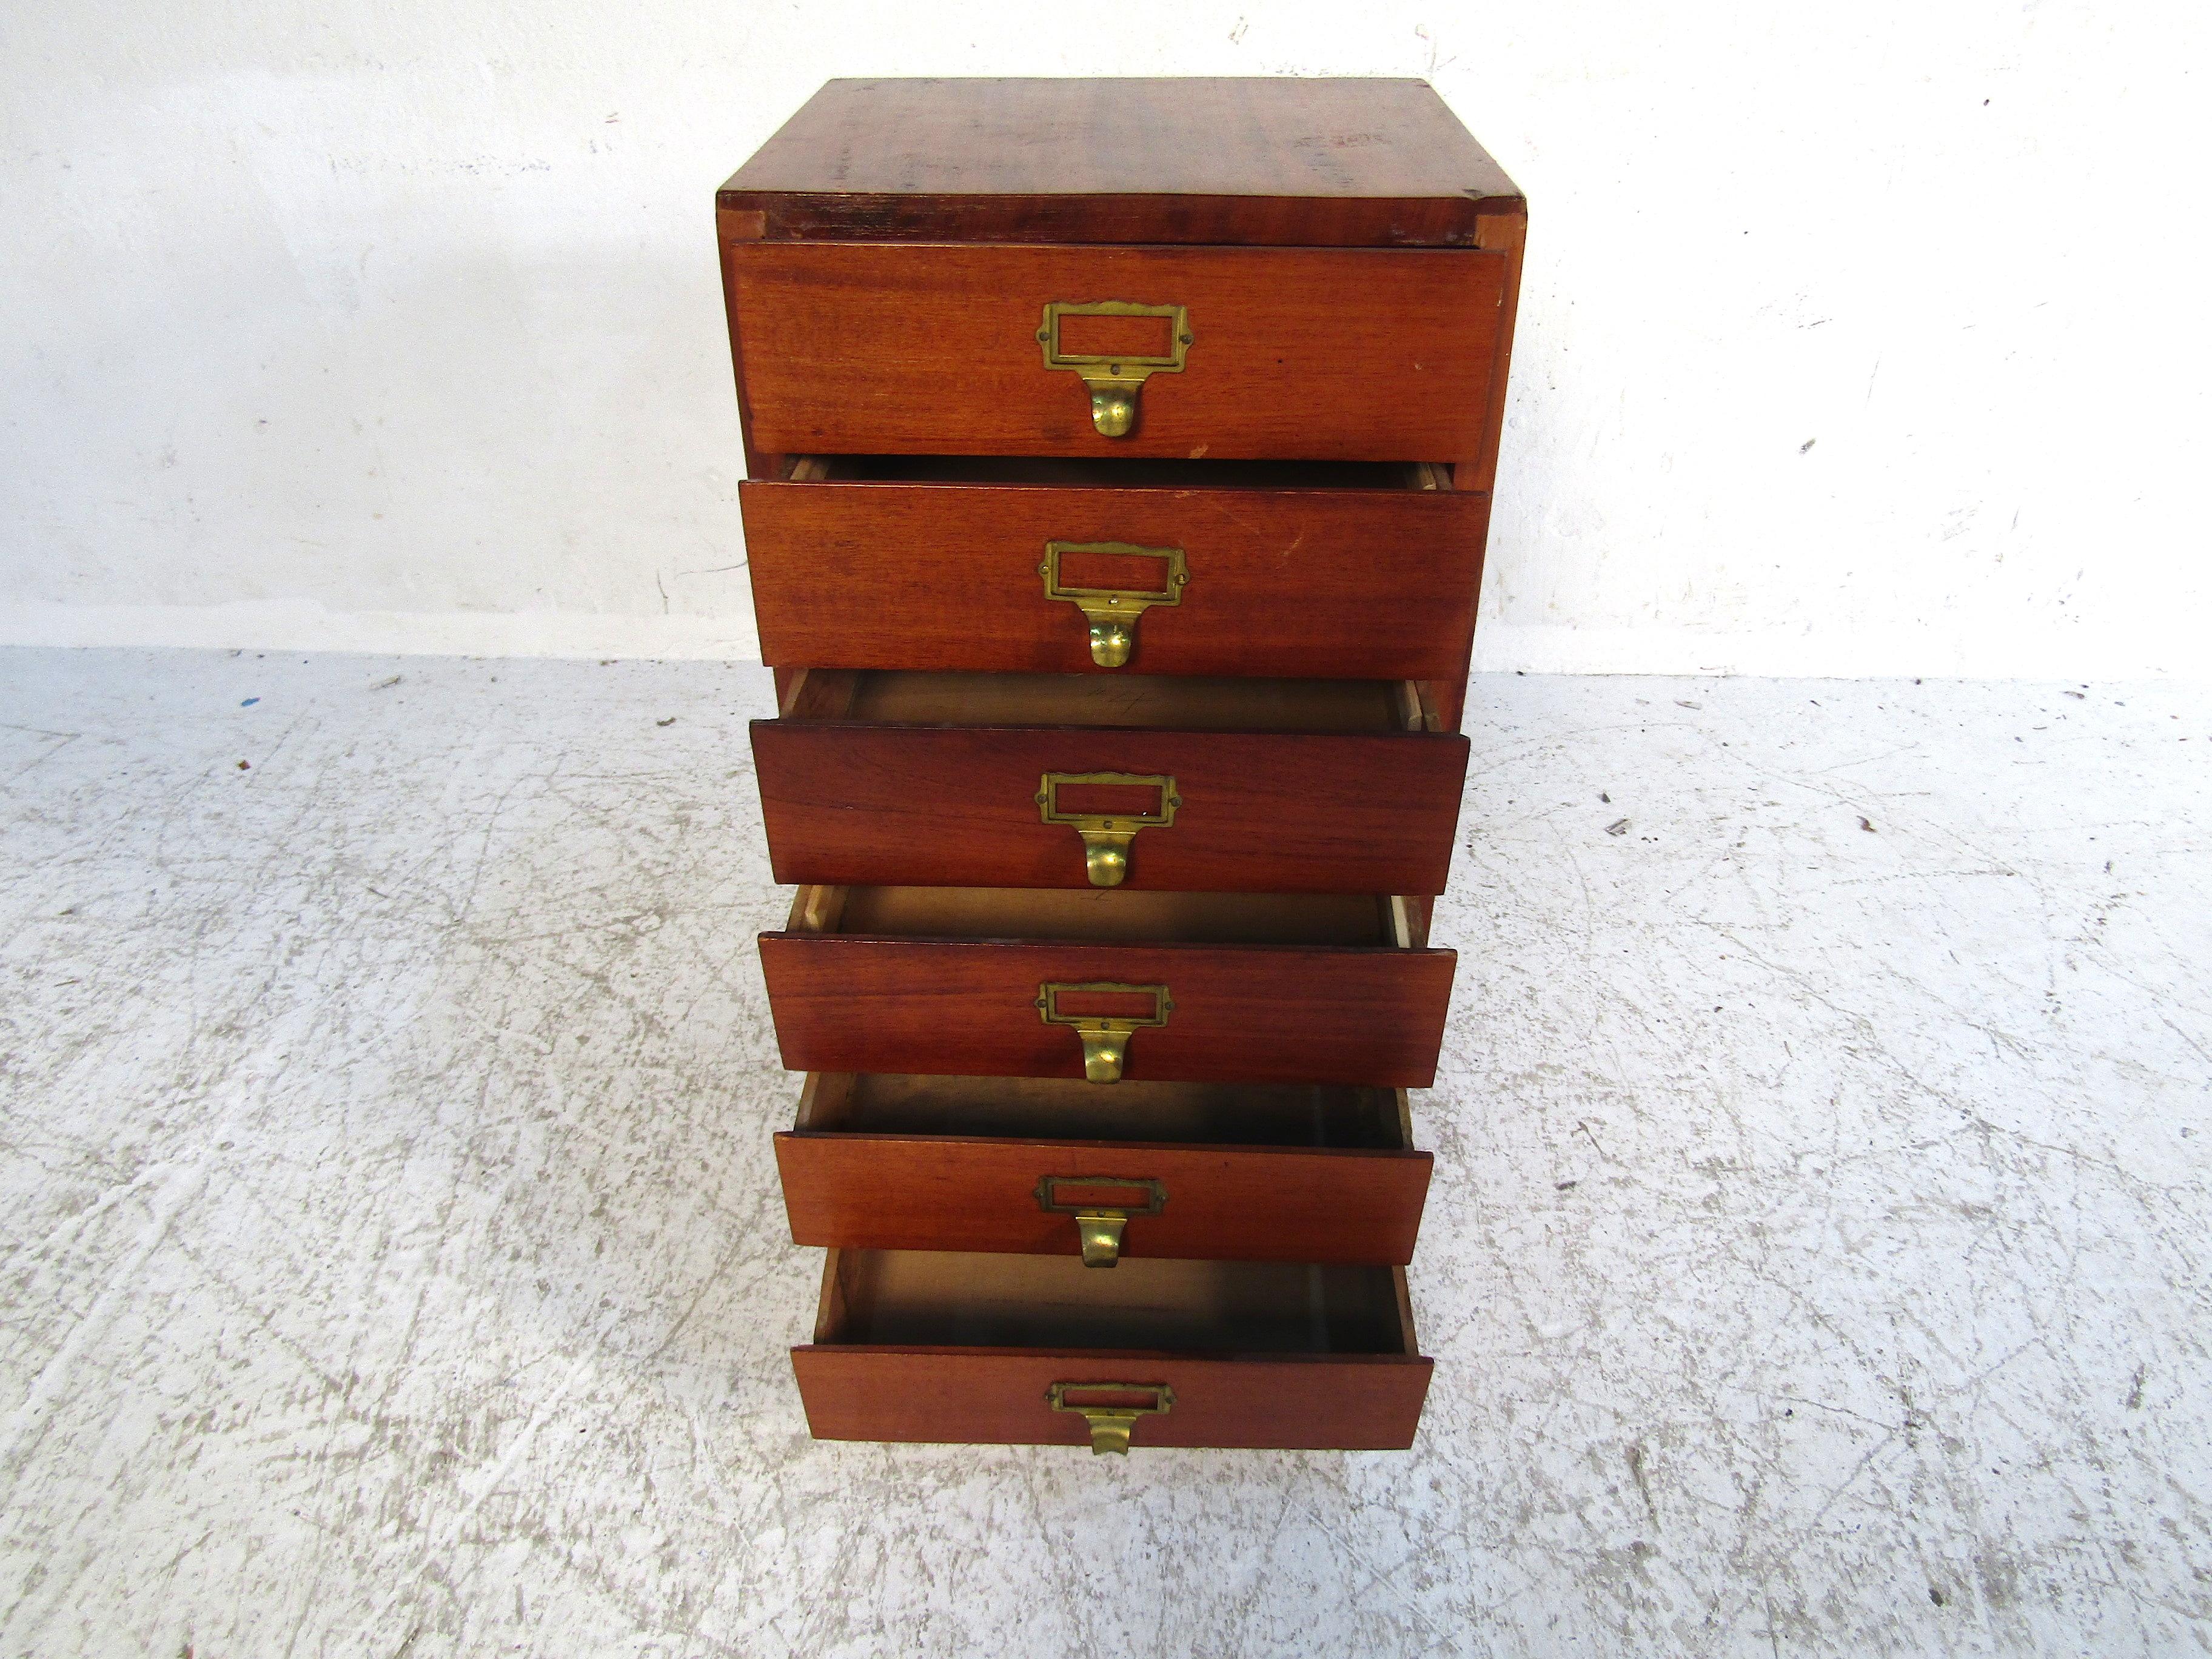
x=1105 y=1038
x=1112 y=612
x=1106 y=836
x=1111 y=1425
x=1114 y=381
x=1098 y=1226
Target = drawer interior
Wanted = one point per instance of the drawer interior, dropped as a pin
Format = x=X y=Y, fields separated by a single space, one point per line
x=959 y=1299
x=1117 y=472
x=1020 y=1108
x=1104 y=915
x=1143 y=702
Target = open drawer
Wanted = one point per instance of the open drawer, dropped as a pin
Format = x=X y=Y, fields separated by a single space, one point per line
x=1055 y=1166
x=1069 y=780
x=1104 y=983
x=1033 y=1350
x=1119 y=567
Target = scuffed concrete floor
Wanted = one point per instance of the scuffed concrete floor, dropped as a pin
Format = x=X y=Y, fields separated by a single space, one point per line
x=1817 y=1263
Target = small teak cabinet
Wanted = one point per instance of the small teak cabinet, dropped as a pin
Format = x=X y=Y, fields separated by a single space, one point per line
x=1118 y=458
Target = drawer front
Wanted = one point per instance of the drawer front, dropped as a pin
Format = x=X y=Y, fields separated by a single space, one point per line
x=1360 y=584
x=1293 y=353
x=999 y=1397
x=1218 y=1203
x=951 y=806
x=1239 y=1013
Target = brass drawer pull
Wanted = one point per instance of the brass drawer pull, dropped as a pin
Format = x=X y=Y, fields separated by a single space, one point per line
x=1114 y=379
x=1098 y=1226
x=1111 y=1423
x=1113 y=612
x=1105 y=1037
x=1106 y=836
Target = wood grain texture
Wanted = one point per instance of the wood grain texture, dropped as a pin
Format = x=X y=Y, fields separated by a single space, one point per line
x=1352 y=584
x=1151 y=702
x=1302 y=353
x=733 y=229
x=1064 y=1110
x=1101 y=916
x=967 y=1007
x=1297 y=162
x=960 y=1299
x=1506 y=233
x=1224 y=1203
x=996 y=1396
x=853 y=802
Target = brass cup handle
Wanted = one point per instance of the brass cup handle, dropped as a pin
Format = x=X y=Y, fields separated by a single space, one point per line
x=1114 y=379
x=1112 y=612
x=1099 y=1227
x=1104 y=1052
x=1106 y=836
x=1105 y=1038
x=1098 y=1235
x=1112 y=405
x=1110 y=1414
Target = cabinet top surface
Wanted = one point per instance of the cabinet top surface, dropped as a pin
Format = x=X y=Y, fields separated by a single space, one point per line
x=1343 y=162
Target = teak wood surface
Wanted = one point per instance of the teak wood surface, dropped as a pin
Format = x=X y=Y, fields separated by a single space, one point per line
x=1315 y=354
x=1350 y=262
x=1243 y=1013
x=996 y=1396
x=1352 y=584
x=1224 y=1203
x=925 y=1346
x=1067 y=1109
x=1273 y=813
x=1282 y=162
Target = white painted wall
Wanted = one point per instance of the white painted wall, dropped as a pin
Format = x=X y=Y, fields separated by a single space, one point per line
x=1857 y=339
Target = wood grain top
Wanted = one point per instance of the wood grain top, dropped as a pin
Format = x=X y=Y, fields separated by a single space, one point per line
x=1337 y=163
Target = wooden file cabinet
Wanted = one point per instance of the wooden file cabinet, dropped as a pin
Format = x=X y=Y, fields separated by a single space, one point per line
x=1118 y=461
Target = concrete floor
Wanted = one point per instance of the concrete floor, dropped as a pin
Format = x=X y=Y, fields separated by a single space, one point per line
x=1817 y=1262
